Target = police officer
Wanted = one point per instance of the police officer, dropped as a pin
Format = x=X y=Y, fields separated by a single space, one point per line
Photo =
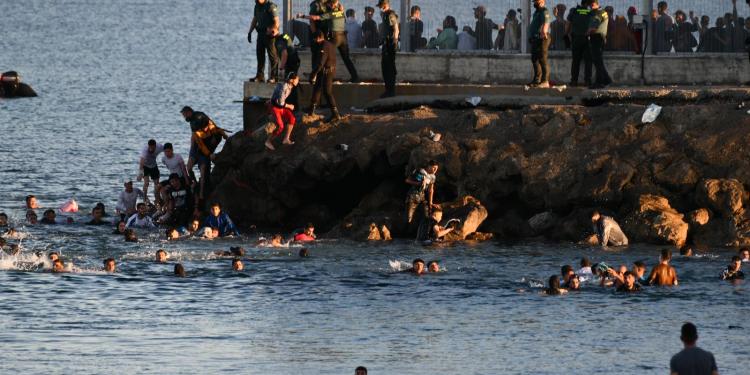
x=265 y=14
x=337 y=34
x=597 y=37
x=539 y=39
x=322 y=75
x=390 y=43
x=289 y=60
x=317 y=9
x=578 y=27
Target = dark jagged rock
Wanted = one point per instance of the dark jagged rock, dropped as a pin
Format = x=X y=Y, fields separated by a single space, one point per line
x=563 y=160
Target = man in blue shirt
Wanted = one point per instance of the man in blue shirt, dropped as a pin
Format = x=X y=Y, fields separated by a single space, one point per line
x=220 y=220
x=539 y=40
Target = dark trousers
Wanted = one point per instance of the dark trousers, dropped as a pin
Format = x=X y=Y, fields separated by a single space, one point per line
x=539 y=48
x=597 y=58
x=388 y=66
x=324 y=83
x=581 y=51
x=265 y=45
x=339 y=40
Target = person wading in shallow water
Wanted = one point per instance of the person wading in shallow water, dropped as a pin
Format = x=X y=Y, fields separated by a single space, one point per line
x=663 y=274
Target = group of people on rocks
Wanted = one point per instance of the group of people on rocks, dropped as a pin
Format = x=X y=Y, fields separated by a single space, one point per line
x=634 y=279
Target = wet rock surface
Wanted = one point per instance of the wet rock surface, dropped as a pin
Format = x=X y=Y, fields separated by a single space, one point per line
x=538 y=171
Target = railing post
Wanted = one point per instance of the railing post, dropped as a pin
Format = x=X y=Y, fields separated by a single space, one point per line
x=525 y=20
x=287 y=17
x=405 y=32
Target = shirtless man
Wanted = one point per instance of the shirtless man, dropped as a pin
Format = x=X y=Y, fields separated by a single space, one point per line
x=417 y=267
x=663 y=274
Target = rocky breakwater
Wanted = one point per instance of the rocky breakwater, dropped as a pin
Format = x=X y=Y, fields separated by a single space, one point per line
x=534 y=171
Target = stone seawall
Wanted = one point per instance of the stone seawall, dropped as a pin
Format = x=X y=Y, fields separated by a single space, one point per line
x=538 y=170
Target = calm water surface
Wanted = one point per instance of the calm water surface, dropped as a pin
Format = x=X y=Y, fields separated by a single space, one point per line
x=112 y=74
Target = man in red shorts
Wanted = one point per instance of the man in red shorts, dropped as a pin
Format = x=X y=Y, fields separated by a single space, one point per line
x=281 y=111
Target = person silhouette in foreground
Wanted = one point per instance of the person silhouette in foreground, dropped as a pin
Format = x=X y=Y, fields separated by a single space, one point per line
x=692 y=359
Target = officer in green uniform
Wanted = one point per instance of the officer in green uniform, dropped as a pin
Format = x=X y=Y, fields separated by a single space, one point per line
x=579 y=19
x=539 y=40
x=265 y=14
x=390 y=44
x=317 y=9
x=597 y=38
x=336 y=19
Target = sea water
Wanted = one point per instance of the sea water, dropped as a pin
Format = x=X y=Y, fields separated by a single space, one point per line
x=111 y=75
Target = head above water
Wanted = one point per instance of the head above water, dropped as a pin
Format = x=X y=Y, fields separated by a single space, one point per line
x=109 y=265
x=31 y=202
x=554 y=282
x=736 y=263
x=666 y=255
x=433 y=266
x=142 y=208
x=237 y=264
x=689 y=334
x=121 y=226
x=31 y=217
x=179 y=270
x=161 y=256
x=130 y=236
x=744 y=253
x=3 y=219
x=418 y=265
x=304 y=253
x=58 y=265
x=585 y=262
x=172 y=234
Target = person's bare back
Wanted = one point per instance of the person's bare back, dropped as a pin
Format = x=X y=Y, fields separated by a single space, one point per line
x=663 y=275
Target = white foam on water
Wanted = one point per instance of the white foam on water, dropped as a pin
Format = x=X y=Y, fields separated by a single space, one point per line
x=399 y=265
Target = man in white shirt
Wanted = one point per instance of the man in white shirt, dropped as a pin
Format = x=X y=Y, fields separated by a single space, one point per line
x=147 y=168
x=353 y=30
x=174 y=163
x=140 y=219
x=128 y=199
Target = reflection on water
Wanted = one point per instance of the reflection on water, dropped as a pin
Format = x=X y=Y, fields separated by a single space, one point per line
x=113 y=74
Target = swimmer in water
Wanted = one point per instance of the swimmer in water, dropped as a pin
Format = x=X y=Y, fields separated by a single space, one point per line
x=433 y=266
x=140 y=219
x=308 y=235
x=417 y=267
x=237 y=264
x=130 y=236
x=179 y=270
x=193 y=227
x=734 y=270
x=629 y=285
x=31 y=217
x=161 y=256
x=618 y=276
x=58 y=266
x=574 y=283
x=12 y=249
x=585 y=267
x=553 y=287
x=97 y=216
x=120 y=228
x=49 y=217
x=31 y=202
x=3 y=220
x=686 y=251
x=566 y=272
x=663 y=274
x=53 y=256
x=109 y=265
x=234 y=251
x=304 y=253
x=276 y=240
x=744 y=254
x=210 y=233
x=639 y=269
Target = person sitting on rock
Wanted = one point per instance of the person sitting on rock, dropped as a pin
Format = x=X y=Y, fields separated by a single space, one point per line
x=281 y=111
x=431 y=231
x=607 y=230
x=734 y=270
x=422 y=182
x=663 y=274
x=308 y=235
x=219 y=219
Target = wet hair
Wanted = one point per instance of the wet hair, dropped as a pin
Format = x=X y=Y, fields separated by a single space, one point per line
x=585 y=262
x=418 y=260
x=237 y=251
x=432 y=163
x=360 y=370
x=139 y=205
x=186 y=109
x=49 y=211
x=130 y=236
x=736 y=258
x=152 y=142
x=553 y=285
x=3 y=214
x=689 y=333
x=686 y=250
x=49 y=256
x=29 y=197
x=179 y=270
x=666 y=254
x=235 y=261
x=108 y=260
x=350 y=12
x=309 y=226
x=564 y=270
x=629 y=273
x=304 y=253
x=161 y=251
x=168 y=146
x=639 y=265
x=431 y=263
x=168 y=232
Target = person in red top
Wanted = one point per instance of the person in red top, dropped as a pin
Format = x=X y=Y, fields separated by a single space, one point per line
x=307 y=235
x=281 y=110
